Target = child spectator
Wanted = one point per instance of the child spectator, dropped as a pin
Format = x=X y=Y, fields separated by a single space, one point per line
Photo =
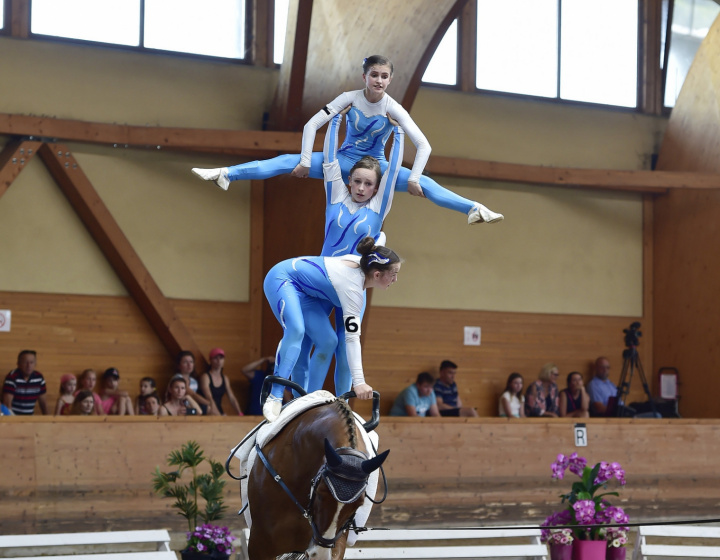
x=512 y=401
x=86 y=382
x=147 y=387
x=152 y=404
x=114 y=401
x=68 y=384
x=83 y=404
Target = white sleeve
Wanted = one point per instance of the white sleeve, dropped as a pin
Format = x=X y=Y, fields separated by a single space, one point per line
x=398 y=112
x=317 y=121
x=335 y=188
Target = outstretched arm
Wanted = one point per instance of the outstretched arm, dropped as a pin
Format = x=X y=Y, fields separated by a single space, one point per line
x=384 y=197
x=310 y=130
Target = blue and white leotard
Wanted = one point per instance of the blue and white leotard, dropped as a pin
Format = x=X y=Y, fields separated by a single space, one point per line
x=293 y=288
x=368 y=129
x=346 y=224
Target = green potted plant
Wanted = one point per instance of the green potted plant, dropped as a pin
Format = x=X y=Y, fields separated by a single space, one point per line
x=207 y=541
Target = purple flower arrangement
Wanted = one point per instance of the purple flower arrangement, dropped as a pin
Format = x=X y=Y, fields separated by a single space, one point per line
x=209 y=539
x=585 y=506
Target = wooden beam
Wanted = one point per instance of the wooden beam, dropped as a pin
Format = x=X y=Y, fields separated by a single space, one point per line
x=432 y=45
x=208 y=140
x=20 y=19
x=657 y=182
x=467 y=49
x=257 y=270
x=286 y=113
x=13 y=159
x=260 y=143
x=117 y=249
x=650 y=94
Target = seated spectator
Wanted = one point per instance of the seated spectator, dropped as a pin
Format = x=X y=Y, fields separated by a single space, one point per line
x=214 y=384
x=446 y=391
x=24 y=386
x=256 y=372
x=186 y=365
x=541 y=397
x=177 y=401
x=152 y=405
x=86 y=382
x=574 y=400
x=68 y=385
x=512 y=401
x=147 y=387
x=600 y=388
x=418 y=399
x=112 y=400
x=83 y=404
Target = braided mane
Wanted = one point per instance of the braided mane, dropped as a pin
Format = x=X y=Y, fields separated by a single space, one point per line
x=347 y=415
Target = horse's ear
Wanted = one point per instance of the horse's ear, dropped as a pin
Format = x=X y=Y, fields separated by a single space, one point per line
x=333 y=459
x=373 y=464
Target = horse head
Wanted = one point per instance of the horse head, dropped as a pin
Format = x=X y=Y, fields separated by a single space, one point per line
x=345 y=476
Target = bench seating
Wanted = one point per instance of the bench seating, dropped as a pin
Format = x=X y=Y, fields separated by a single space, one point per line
x=160 y=539
x=440 y=543
x=683 y=533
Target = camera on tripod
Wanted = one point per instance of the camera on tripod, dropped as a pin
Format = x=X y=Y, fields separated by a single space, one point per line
x=632 y=334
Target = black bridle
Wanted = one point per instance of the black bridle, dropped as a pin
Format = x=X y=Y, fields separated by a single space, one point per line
x=317 y=537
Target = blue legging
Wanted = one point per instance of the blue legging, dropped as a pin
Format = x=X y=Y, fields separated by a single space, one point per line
x=286 y=163
x=299 y=315
x=310 y=372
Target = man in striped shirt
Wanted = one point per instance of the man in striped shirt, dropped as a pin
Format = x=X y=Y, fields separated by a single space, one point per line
x=24 y=386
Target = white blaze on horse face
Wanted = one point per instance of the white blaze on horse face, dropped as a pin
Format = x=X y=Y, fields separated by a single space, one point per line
x=317 y=552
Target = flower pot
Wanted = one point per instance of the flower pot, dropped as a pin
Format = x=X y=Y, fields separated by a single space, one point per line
x=616 y=553
x=561 y=551
x=192 y=555
x=589 y=550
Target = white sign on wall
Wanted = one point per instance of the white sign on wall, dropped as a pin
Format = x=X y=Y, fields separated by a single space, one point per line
x=580 y=435
x=4 y=320
x=472 y=336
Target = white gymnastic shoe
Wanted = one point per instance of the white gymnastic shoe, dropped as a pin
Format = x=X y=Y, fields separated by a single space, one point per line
x=482 y=215
x=272 y=408
x=219 y=175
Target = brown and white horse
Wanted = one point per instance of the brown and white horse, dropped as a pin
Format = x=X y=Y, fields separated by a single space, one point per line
x=322 y=465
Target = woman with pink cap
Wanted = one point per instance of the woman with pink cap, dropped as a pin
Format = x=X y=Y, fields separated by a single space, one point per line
x=214 y=384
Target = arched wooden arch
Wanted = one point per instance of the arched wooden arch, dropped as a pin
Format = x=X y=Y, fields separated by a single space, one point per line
x=327 y=43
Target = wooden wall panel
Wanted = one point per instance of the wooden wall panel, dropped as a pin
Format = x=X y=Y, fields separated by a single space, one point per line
x=75 y=474
x=400 y=343
x=71 y=333
x=686 y=267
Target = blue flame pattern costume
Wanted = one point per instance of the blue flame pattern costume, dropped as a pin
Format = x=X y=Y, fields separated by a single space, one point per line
x=368 y=129
x=346 y=224
x=294 y=288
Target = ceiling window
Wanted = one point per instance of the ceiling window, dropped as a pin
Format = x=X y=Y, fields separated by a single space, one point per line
x=280 y=29
x=564 y=49
x=443 y=65
x=212 y=28
x=110 y=21
x=517 y=46
x=691 y=21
